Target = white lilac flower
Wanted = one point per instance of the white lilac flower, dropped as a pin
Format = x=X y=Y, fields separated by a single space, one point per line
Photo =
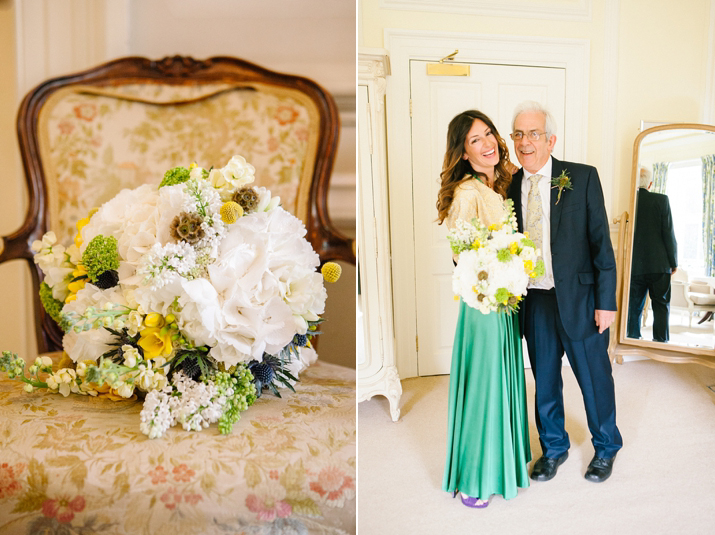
x=194 y=405
x=164 y=264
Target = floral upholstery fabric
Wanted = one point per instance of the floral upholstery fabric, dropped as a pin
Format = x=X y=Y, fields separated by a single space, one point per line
x=81 y=465
x=96 y=142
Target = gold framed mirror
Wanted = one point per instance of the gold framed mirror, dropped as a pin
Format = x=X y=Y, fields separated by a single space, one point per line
x=666 y=292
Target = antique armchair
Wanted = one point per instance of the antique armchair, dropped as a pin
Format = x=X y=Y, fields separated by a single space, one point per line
x=81 y=464
x=86 y=136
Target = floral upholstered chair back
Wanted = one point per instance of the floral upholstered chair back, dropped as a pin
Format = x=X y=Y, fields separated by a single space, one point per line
x=98 y=141
x=86 y=137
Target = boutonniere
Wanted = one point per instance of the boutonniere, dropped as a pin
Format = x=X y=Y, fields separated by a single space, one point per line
x=563 y=181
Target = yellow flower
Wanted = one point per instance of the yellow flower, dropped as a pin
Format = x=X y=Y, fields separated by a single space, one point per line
x=514 y=247
x=154 y=320
x=493 y=226
x=81 y=224
x=456 y=298
x=526 y=233
x=476 y=244
x=155 y=341
x=331 y=271
x=76 y=286
x=231 y=212
x=193 y=165
x=528 y=266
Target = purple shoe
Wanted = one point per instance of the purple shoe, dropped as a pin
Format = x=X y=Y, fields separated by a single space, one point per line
x=473 y=502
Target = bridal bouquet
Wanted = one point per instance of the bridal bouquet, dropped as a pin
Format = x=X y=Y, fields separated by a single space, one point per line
x=494 y=265
x=196 y=294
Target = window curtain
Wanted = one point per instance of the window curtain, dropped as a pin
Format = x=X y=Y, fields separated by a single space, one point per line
x=709 y=213
x=660 y=177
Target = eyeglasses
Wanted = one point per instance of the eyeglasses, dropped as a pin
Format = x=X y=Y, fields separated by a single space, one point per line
x=533 y=135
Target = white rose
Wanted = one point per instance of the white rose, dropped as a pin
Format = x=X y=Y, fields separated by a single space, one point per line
x=238 y=171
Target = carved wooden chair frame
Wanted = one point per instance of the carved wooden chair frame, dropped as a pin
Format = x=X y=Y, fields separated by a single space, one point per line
x=178 y=70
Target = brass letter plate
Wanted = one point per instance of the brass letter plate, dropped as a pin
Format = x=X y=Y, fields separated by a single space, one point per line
x=447 y=69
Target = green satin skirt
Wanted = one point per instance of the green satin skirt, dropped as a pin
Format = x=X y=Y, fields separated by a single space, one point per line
x=488 y=428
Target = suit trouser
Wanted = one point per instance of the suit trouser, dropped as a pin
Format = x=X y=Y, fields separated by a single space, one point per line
x=547 y=340
x=657 y=285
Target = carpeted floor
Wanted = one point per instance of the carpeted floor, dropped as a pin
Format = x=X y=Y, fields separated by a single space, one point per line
x=663 y=479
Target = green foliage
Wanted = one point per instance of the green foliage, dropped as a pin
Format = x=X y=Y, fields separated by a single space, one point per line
x=52 y=306
x=244 y=395
x=100 y=255
x=177 y=175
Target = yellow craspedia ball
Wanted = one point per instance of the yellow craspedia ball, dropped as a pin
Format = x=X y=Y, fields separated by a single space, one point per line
x=230 y=212
x=331 y=271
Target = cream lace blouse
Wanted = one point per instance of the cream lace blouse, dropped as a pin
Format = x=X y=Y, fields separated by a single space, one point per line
x=474 y=199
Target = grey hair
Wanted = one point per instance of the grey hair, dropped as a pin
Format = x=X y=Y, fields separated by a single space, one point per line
x=533 y=106
x=644 y=177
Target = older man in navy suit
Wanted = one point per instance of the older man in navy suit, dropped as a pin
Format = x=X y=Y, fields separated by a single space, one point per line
x=571 y=307
x=655 y=260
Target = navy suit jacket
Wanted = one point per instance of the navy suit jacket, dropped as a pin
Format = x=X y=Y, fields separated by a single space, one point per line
x=581 y=252
x=654 y=247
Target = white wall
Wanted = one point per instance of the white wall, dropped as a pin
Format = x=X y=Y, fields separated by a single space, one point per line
x=650 y=60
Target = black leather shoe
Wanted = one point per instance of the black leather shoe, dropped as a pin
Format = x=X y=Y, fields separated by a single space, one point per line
x=545 y=468
x=599 y=469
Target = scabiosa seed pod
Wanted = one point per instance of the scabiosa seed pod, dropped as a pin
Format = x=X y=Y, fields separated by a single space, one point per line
x=300 y=340
x=187 y=227
x=247 y=198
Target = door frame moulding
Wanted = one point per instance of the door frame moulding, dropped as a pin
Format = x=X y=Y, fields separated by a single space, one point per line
x=406 y=45
x=577 y=11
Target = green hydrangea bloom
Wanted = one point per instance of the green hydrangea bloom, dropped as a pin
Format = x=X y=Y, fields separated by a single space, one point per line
x=502 y=295
x=100 y=255
x=504 y=255
x=177 y=175
x=52 y=306
x=527 y=242
x=539 y=269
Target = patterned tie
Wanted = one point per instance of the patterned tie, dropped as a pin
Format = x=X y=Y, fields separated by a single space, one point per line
x=534 y=213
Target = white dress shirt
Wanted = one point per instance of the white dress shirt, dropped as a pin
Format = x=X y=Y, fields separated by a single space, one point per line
x=547 y=281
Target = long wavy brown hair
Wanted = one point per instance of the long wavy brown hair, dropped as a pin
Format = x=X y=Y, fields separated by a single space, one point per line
x=455 y=167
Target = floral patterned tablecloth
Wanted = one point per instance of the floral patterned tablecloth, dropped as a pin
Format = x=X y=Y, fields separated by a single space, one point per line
x=80 y=465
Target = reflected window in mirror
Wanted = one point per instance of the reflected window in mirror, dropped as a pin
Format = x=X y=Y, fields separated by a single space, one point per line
x=685 y=182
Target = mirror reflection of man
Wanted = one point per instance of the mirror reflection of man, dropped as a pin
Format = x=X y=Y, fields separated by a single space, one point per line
x=655 y=259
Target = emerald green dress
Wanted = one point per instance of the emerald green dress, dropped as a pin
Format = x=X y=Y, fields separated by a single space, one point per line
x=488 y=427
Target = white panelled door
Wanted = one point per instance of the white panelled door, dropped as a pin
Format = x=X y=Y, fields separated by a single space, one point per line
x=495 y=90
